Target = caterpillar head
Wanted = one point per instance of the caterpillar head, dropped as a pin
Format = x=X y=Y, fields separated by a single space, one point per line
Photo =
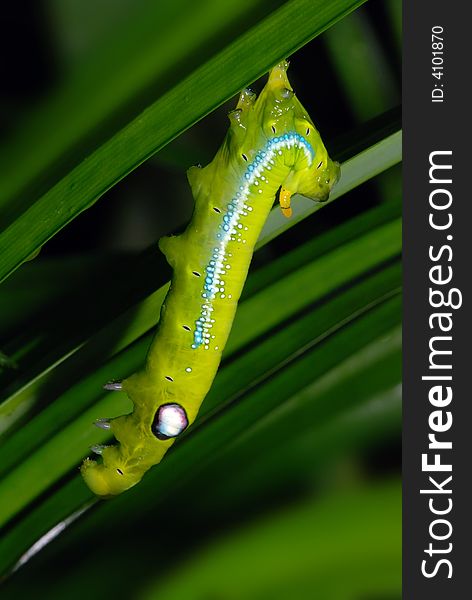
x=278 y=115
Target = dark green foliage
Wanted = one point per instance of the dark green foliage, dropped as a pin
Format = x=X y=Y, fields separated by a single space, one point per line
x=290 y=455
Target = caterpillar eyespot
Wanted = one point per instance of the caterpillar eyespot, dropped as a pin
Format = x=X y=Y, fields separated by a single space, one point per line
x=169 y=422
x=200 y=309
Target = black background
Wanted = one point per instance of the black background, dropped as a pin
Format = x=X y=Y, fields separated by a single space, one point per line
x=427 y=127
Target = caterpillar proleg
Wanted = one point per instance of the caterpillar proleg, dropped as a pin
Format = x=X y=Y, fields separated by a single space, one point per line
x=272 y=150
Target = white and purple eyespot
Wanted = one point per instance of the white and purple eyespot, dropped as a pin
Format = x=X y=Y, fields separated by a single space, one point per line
x=169 y=422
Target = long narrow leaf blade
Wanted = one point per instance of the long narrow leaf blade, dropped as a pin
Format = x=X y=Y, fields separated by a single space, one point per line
x=241 y=63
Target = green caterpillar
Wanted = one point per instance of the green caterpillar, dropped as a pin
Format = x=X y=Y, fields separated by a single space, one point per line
x=272 y=150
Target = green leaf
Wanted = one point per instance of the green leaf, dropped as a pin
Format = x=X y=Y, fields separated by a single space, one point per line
x=357 y=533
x=319 y=278
x=359 y=61
x=137 y=320
x=62 y=451
x=239 y=64
x=31 y=476
x=307 y=398
x=157 y=45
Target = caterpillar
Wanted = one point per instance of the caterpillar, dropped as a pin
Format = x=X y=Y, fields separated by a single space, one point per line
x=271 y=151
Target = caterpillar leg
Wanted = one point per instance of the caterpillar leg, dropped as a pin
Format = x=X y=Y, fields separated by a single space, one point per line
x=98 y=448
x=284 y=201
x=113 y=386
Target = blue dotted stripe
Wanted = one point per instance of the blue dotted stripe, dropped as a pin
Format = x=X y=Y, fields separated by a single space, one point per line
x=232 y=229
